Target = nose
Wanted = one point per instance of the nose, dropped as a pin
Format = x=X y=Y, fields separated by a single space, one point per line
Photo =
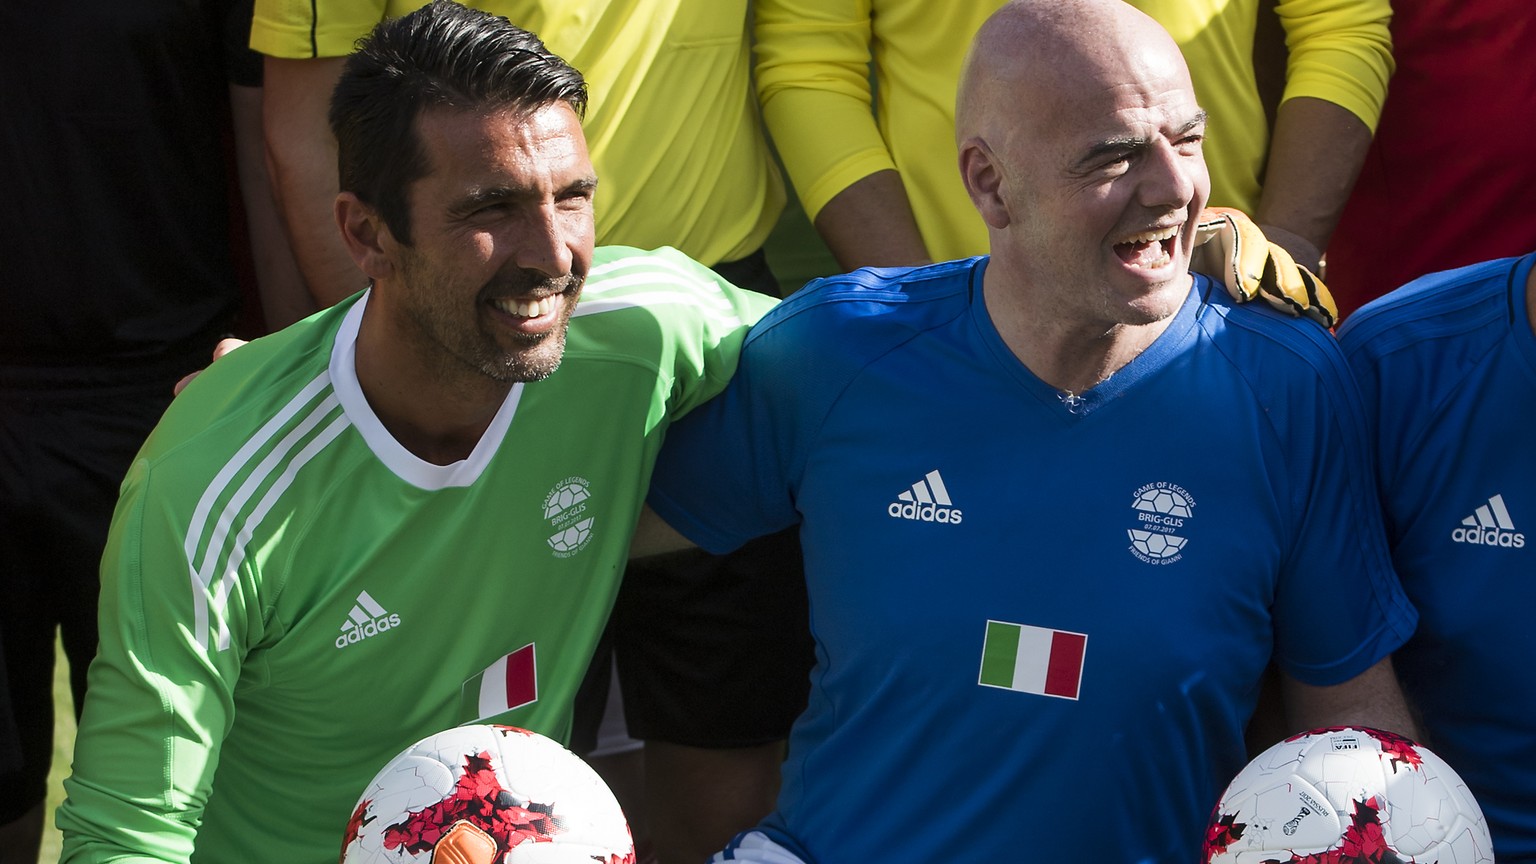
x=1172 y=178
x=545 y=241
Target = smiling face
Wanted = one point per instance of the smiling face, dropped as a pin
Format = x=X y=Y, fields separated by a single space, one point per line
x=502 y=237
x=1100 y=175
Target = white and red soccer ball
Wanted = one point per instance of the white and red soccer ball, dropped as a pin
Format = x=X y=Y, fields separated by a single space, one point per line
x=1347 y=795
x=524 y=794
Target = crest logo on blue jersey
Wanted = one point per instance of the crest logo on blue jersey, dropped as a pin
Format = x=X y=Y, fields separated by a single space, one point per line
x=1162 y=509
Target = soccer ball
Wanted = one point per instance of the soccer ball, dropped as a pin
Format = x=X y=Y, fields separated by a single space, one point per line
x=1347 y=795
x=500 y=795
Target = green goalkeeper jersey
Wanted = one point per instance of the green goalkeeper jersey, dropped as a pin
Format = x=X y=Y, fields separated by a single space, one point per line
x=289 y=597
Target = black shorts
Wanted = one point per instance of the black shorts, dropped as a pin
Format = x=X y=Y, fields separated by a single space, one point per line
x=10 y=739
x=712 y=651
x=63 y=453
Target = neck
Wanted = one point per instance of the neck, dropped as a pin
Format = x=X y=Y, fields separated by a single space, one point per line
x=439 y=414
x=1530 y=299
x=1070 y=354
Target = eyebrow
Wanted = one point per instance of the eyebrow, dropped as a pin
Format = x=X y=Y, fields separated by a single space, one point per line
x=480 y=197
x=1122 y=143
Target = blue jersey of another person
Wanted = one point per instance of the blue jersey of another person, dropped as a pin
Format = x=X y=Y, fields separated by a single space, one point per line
x=1447 y=365
x=1040 y=621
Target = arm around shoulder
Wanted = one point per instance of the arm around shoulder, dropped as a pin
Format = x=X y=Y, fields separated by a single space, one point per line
x=653 y=536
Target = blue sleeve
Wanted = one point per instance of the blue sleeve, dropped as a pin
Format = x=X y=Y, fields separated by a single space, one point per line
x=1339 y=607
x=731 y=470
x=727 y=470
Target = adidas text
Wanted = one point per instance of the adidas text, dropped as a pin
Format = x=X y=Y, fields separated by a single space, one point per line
x=1489 y=537
x=372 y=628
x=925 y=512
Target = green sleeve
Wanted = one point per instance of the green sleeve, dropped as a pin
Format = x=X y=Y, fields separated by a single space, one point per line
x=159 y=702
x=708 y=343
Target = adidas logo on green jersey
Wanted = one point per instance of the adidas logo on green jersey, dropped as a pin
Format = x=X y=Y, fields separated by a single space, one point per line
x=366 y=619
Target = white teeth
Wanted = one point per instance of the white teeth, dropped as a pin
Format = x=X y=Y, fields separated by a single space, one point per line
x=1152 y=236
x=527 y=309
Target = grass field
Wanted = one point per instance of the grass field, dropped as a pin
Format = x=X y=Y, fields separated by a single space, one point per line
x=63 y=745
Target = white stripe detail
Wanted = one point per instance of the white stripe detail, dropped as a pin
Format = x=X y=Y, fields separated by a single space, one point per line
x=257 y=476
x=371 y=605
x=1033 y=659
x=708 y=290
x=221 y=480
x=493 y=689
x=403 y=463
x=929 y=490
x=645 y=265
x=654 y=299
x=1501 y=513
x=937 y=483
x=1484 y=517
x=1491 y=515
x=248 y=529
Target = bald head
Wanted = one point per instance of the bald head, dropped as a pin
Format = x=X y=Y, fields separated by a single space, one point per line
x=1080 y=143
x=1033 y=57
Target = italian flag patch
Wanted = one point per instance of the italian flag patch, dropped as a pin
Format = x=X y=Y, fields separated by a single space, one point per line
x=510 y=682
x=1032 y=659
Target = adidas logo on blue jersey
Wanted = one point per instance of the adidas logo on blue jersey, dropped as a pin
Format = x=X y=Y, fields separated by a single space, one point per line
x=366 y=619
x=926 y=501
x=1490 y=525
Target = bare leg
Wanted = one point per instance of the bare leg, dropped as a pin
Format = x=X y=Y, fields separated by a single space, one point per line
x=700 y=798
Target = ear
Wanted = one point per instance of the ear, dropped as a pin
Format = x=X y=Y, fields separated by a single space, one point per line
x=367 y=237
x=980 y=169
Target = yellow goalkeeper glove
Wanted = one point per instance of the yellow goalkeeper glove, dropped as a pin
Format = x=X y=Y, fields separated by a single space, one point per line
x=1231 y=248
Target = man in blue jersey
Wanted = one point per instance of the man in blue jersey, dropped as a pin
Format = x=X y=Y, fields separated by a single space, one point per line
x=1447 y=366
x=1060 y=505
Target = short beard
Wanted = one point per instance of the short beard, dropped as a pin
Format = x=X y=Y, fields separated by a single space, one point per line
x=534 y=358
x=540 y=360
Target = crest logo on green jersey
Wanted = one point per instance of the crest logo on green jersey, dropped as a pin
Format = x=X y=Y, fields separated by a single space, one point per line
x=565 y=507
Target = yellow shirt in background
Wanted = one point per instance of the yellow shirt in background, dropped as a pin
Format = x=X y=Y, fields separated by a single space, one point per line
x=671 y=122
x=814 y=83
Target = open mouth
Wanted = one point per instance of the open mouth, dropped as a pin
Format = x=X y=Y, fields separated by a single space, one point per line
x=1149 y=250
x=527 y=308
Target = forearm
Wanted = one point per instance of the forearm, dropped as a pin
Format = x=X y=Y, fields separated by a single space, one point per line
x=136 y=790
x=301 y=153
x=813 y=81
x=1315 y=154
x=1372 y=698
x=653 y=536
x=284 y=299
x=870 y=224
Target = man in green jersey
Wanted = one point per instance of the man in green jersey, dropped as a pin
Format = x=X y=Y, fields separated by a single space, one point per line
x=408 y=512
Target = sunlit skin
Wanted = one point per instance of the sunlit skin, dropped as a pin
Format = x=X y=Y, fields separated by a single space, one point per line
x=1089 y=172
x=1530 y=299
x=501 y=240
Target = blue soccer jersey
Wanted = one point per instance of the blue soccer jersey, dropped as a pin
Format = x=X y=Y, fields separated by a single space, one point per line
x=1040 y=626
x=1447 y=365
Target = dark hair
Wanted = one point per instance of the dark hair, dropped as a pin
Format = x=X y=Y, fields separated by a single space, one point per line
x=442 y=55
